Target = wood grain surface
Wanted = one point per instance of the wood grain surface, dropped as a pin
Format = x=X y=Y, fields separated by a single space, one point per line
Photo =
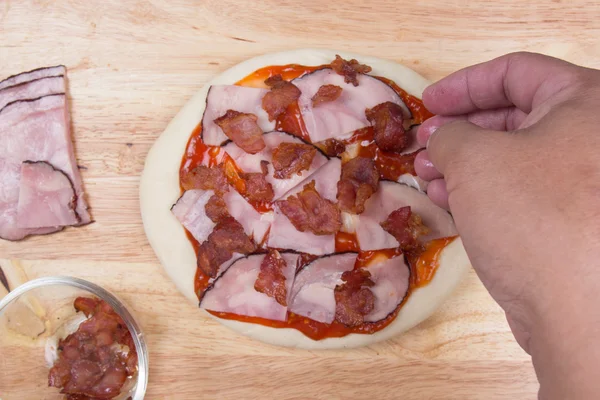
x=133 y=64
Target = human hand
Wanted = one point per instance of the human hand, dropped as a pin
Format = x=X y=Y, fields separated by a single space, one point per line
x=514 y=154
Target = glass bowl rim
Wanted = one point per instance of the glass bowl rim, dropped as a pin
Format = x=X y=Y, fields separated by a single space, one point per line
x=112 y=300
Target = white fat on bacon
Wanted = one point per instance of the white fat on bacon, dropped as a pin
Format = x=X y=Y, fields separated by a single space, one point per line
x=46 y=197
x=232 y=97
x=190 y=211
x=313 y=290
x=389 y=197
x=234 y=291
x=250 y=163
x=340 y=118
x=391 y=277
x=32 y=90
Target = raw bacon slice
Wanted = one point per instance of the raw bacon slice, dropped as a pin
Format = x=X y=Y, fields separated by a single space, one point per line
x=251 y=163
x=391 y=277
x=338 y=119
x=313 y=291
x=33 y=75
x=46 y=197
x=35 y=130
x=389 y=197
x=231 y=97
x=234 y=291
x=32 y=90
x=190 y=210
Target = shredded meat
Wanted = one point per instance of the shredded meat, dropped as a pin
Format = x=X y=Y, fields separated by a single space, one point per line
x=326 y=93
x=358 y=182
x=271 y=280
x=354 y=299
x=349 y=69
x=388 y=122
x=280 y=97
x=227 y=237
x=216 y=209
x=308 y=211
x=292 y=158
x=331 y=147
x=405 y=226
x=205 y=178
x=243 y=130
x=89 y=364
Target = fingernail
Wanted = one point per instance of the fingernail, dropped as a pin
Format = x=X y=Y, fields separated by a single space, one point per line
x=429 y=132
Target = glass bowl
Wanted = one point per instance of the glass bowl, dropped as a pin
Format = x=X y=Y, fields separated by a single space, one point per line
x=32 y=319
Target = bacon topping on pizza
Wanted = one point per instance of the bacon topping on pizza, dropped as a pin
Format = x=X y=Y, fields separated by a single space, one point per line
x=349 y=69
x=326 y=93
x=308 y=211
x=405 y=226
x=257 y=187
x=280 y=97
x=388 y=121
x=228 y=237
x=358 y=182
x=271 y=280
x=205 y=178
x=216 y=209
x=292 y=158
x=354 y=300
x=243 y=130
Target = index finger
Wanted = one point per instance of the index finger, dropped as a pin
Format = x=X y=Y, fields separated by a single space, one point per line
x=520 y=79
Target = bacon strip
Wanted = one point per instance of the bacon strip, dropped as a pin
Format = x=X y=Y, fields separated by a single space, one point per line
x=292 y=158
x=349 y=69
x=326 y=93
x=243 y=130
x=280 y=97
x=206 y=178
x=405 y=226
x=358 y=182
x=353 y=299
x=308 y=211
x=271 y=280
x=388 y=120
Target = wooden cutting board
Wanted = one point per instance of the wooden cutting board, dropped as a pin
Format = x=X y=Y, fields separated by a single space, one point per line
x=133 y=64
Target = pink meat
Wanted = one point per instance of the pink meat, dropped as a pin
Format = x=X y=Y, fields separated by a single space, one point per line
x=234 y=291
x=33 y=75
x=256 y=225
x=391 y=277
x=46 y=197
x=37 y=130
x=232 y=97
x=340 y=118
x=313 y=290
x=190 y=211
x=32 y=90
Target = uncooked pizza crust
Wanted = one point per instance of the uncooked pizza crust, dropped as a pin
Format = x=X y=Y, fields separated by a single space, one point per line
x=159 y=190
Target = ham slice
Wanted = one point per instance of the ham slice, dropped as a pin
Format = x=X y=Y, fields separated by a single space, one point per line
x=37 y=130
x=250 y=163
x=391 y=277
x=190 y=211
x=339 y=118
x=231 y=97
x=46 y=197
x=234 y=291
x=32 y=90
x=33 y=75
x=389 y=197
x=256 y=225
x=313 y=291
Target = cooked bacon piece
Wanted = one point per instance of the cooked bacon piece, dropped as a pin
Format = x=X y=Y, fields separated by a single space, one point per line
x=358 y=182
x=271 y=280
x=216 y=209
x=206 y=178
x=349 y=69
x=90 y=363
x=280 y=97
x=353 y=299
x=331 y=147
x=308 y=211
x=387 y=119
x=292 y=158
x=326 y=93
x=304 y=260
x=227 y=238
x=405 y=226
x=243 y=130
x=257 y=187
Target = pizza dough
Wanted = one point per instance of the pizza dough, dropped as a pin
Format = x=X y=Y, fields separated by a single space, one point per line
x=159 y=190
